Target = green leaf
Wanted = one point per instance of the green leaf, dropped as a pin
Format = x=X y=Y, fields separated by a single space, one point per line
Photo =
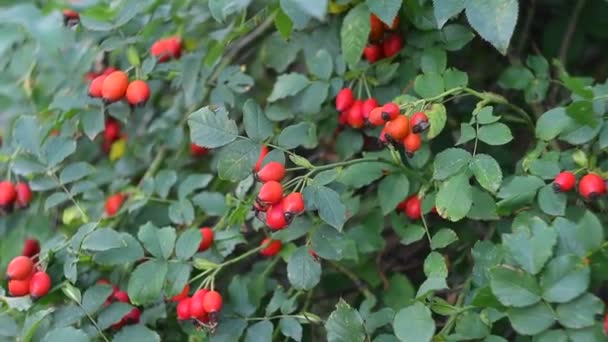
x=137 y=332
x=301 y=134
x=411 y=234
x=74 y=172
x=493 y=20
x=400 y=292
x=192 y=183
x=316 y=9
x=386 y=10
x=92 y=123
x=495 y=134
x=113 y=314
x=531 y=320
x=94 y=297
x=551 y=336
x=471 y=326
x=552 y=123
x=582 y=112
x=348 y=143
x=455 y=197
x=178 y=274
x=454 y=78
x=433 y=60
x=483 y=207
x=581 y=235
x=581 y=312
x=354 y=33
x=565 y=278
x=435 y=266
x=443 y=238
x=551 y=202
x=237 y=160
x=414 y=323
x=437 y=115
x=345 y=324
x=303 y=271
x=164 y=180
x=531 y=247
x=320 y=64
x=288 y=85
x=467 y=133
x=8 y=326
x=516 y=77
x=56 y=149
x=487 y=172
x=26 y=133
x=261 y=331
x=328 y=243
x=55 y=199
x=283 y=24
x=362 y=174
x=486 y=115
x=290 y=327
x=450 y=162
x=146 y=282
x=103 y=239
x=159 y=242
x=181 y=212
x=187 y=244
x=446 y=9
x=257 y=125
x=210 y=127
x=391 y=190
x=66 y=334
x=514 y=287
x=429 y=85
x=331 y=209
x=221 y=9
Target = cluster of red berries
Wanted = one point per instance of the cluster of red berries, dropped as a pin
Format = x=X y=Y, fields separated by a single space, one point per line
x=114 y=86
x=14 y=195
x=70 y=17
x=591 y=186
x=132 y=317
x=380 y=46
x=113 y=204
x=280 y=210
x=24 y=277
x=166 y=49
x=353 y=112
x=111 y=133
x=203 y=306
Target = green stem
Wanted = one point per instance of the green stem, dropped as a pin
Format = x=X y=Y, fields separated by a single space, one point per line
x=93 y=322
x=358 y=283
x=452 y=320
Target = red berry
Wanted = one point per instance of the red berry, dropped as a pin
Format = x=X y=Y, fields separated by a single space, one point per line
x=273 y=171
x=392 y=45
x=390 y=111
x=19 y=268
x=113 y=204
x=565 y=181
x=8 y=194
x=31 y=247
x=260 y=207
x=376 y=117
x=196 y=150
x=96 y=86
x=24 y=194
x=376 y=27
x=591 y=186
x=419 y=122
x=19 y=288
x=271 y=192
x=368 y=106
x=165 y=49
x=382 y=137
x=372 y=53
x=183 y=309
x=112 y=130
x=275 y=217
x=212 y=302
x=273 y=248
x=108 y=70
x=344 y=99
x=412 y=143
x=397 y=128
x=263 y=153
x=354 y=116
x=413 y=207
x=132 y=317
x=40 y=284
x=293 y=204
x=121 y=296
x=174 y=45
x=114 y=86
x=196 y=304
x=313 y=254
x=343 y=118
x=207 y=240
x=182 y=295
x=138 y=92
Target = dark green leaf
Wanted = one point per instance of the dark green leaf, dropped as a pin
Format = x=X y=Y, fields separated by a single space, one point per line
x=449 y=162
x=495 y=134
x=494 y=21
x=531 y=320
x=288 y=85
x=103 y=239
x=136 y=333
x=454 y=198
x=514 y=287
x=261 y=331
x=446 y=9
x=344 y=324
x=354 y=33
x=66 y=334
x=146 y=282
x=237 y=160
x=257 y=125
x=565 y=278
x=487 y=172
x=188 y=243
x=531 y=247
x=581 y=312
x=414 y=323
x=386 y=10
x=391 y=190
x=159 y=242
x=210 y=127
x=443 y=238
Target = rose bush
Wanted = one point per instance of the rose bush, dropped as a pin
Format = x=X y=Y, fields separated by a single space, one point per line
x=343 y=170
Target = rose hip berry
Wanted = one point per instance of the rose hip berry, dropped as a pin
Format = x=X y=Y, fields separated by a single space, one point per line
x=591 y=186
x=207 y=239
x=375 y=117
x=113 y=204
x=212 y=302
x=368 y=106
x=293 y=204
x=121 y=296
x=273 y=247
x=373 y=53
x=376 y=27
x=412 y=143
x=197 y=304
x=275 y=217
x=196 y=150
x=273 y=171
x=344 y=99
x=183 y=309
x=271 y=192
x=263 y=153
x=355 y=116
x=565 y=181
x=397 y=128
x=8 y=194
x=19 y=288
x=138 y=93
x=19 y=268
x=96 y=86
x=413 y=207
x=114 y=86
x=392 y=45
x=24 y=194
x=419 y=122
x=112 y=130
x=40 y=284
x=31 y=247
x=390 y=111
x=182 y=295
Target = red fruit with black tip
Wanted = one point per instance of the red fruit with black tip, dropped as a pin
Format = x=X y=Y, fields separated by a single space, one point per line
x=19 y=268
x=392 y=45
x=132 y=317
x=137 y=93
x=196 y=150
x=273 y=247
x=355 y=115
x=8 y=194
x=376 y=118
x=397 y=129
x=271 y=192
x=183 y=309
x=121 y=296
x=207 y=240
x=413 y=207
x=293 y=204
x=373 y=53
x=24 y=194
x=412 y=143
x=31 y=247
x=344 y=99
x=113 y=204
x=390 y=111
x=19 y=288
x=275 y=217
x=263 y=153
x=273 y=171
x=419 y=122
x=212 y=302
x=40 y=284
x=182 y=295
x=565 y=181
x=368 y=106
x=70 y=17
x=591 y=186
x=114 y=86
x=96 y=86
